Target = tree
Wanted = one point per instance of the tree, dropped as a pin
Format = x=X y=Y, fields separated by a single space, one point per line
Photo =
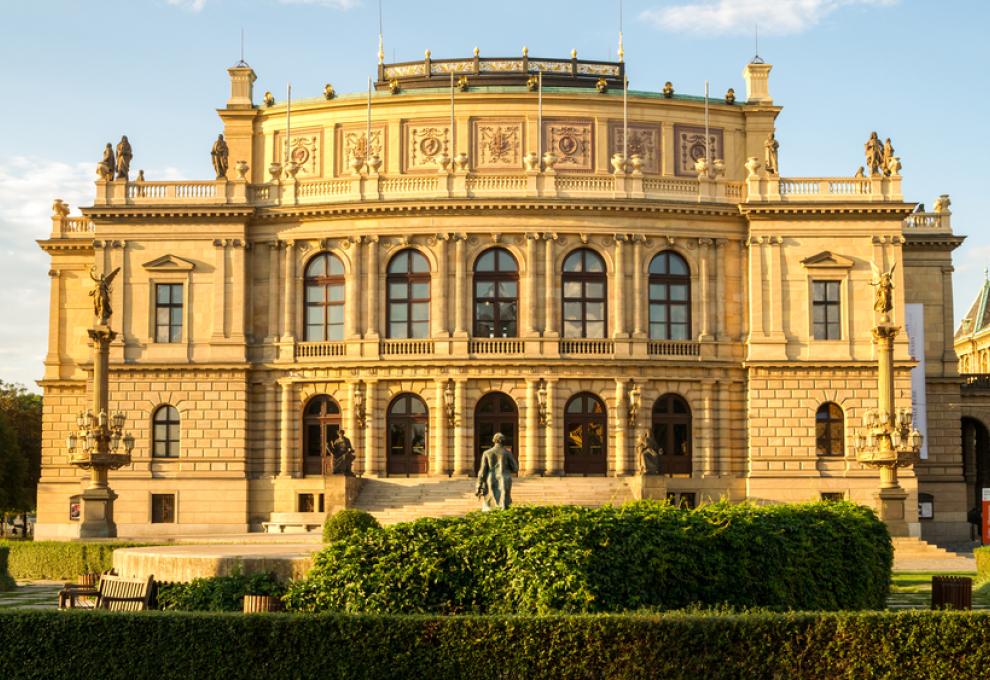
x=20 y=447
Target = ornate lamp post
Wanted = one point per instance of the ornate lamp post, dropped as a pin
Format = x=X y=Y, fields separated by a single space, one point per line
x=100 y=444
x=888 y=441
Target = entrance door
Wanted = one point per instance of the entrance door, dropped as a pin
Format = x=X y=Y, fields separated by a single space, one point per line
x=672 y=431
x=584 y=436
x=496 y=412
x=321 y=423
x=407 y=425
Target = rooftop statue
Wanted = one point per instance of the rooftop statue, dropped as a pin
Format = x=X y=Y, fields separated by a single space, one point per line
x=874 y=154
x=772 y=147
x=220 y=152
x=101 y=294
x=123 y=158
x=495 y=475
x=884 y=282
x=107 y=164
x=668 y=90
x=648 y=454
x=888 y=157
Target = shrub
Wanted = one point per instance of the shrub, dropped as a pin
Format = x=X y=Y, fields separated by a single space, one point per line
x=982 y=564
x=644 y=555
x=6 y=582
x=343 y=523
x=58 y=560
x=218 y=593
x=165 y=645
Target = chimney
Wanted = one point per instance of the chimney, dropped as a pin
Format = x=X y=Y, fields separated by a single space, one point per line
x=757 y=77
x=242 y=79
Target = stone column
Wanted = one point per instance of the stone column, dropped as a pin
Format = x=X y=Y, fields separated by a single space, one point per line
x=530 y=312
x=118 y=258
x=463 y=463
x=289 y=293
x=550 y=328
x=272 y=420
x=285 y=463
x=350 y=424
x=219 y=288
x=352 y=317
x=273 y=273
x=54 y=357
x=554 y=452
x=723 y=425
x=240 y=290
x=620 y=457
x=704 y=283
x=721 y=304
x=776 y=286
x=441 y=329
x=372 y=435
x=371 y=290
x=639 y=299
x=757 y=329
x=950 y=361
x=707 y=429
x=619 y=296
x=438 y=454
x=460 y=286
x=531 y=459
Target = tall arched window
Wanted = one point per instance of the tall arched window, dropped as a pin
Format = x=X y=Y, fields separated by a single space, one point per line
x=407 y=427
x=584 y=435
x=671 y=421
x=670 y=297
x=584 y=294
x=321 y=423
x=496 y=295
x=830 y=437
x=324 y=298
x=408 y=308
x=166 y=432
x=495 y=413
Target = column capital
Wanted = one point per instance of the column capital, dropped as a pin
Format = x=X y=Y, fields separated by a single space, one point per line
x=220 y=242
x=549 y=236
x=372 y=238
x=54 y=273
x=638 y=239
x=721 y=242
x=620 y=238
x=533 y=236
x=705 y=242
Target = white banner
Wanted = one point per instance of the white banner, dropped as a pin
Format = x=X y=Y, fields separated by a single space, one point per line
x=915 y=321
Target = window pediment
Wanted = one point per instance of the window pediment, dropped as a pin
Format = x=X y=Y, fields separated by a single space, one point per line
x=827 y=260
x=169 y=263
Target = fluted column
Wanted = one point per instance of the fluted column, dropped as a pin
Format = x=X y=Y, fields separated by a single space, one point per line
x=776 y=286
x=553 y=442
x=352 y=318
x=950 y=361
x=121 y=313
x=371 y=289
x=463 y=464
x=273 y=272
x=620 y=464
x=441 y=328
x=460 y=286
x=550 y=328
x=285 y=465
x=373 y=434
x=219 y=287
x=350 y=423
x=639 y=299
x=619 y=296
x=532 y=460
x=289 y=293
x=532 y=308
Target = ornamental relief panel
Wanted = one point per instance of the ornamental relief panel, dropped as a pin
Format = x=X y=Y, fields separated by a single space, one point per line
x=423 y=143
x=644 y=139
x=689 y=146
x=305 y=148
x=352 y=142
x=571 y=140
x=497 y=144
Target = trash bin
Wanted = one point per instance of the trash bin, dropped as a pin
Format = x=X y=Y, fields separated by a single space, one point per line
x=952 y=592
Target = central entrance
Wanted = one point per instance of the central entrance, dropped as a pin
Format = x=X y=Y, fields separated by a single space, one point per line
x=496 y=412
x=321 y=423
x=407 y=424
x=584 y=435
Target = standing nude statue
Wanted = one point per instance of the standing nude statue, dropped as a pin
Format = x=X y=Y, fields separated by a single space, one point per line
x=495 y=476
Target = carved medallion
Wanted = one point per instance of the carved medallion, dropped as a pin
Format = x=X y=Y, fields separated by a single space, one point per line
x=304 y=149
x=423 y=144
x=689 y=146
x=353 y=143
x=644 y=140
x=497 y=144
x=571 y=141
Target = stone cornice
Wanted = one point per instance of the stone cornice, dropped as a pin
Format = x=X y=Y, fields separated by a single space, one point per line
x=824 y=210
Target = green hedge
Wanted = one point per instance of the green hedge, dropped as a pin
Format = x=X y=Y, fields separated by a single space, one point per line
x=58 y=560
x=645 y=555
x=806 y=646
x=343 y=523
x=6 y=581
x=217 y=594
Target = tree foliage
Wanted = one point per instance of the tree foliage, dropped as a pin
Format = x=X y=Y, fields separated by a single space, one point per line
x=20 y=447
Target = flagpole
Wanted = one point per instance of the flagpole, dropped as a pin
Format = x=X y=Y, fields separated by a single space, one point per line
x=539 y=117
x=288 y=122
x=708 y=153
x=625 y=117
x=453 y=130
x=367 y=136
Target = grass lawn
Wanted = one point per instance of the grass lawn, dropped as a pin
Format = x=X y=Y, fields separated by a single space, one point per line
x=913 y=589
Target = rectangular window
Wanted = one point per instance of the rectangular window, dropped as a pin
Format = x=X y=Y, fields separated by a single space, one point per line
x=825 y=310
x=168 y=312
x=306 y=503
x=163 y=508
x=833 y=496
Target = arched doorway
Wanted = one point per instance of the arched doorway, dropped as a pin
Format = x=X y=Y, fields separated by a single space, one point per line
x=976 y=459
x=584 y=435
x=321 y=423
x=407 y=429
x=671 y=421
x=496 y=412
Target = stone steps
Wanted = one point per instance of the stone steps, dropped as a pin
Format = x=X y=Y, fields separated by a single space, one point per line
x=914 y=554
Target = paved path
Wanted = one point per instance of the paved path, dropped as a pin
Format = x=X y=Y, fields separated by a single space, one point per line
x=32 y=595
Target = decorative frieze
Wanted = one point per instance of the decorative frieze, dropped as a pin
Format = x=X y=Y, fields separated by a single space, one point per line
x=497 y=144
x=571 y=141
x=644 y=141
x=689 y=146
x=424 y=143
x=305 y=150
x=352 y=145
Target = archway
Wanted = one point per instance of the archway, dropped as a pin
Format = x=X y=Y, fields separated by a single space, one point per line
x=976 y=459
x=496 y=412
x=671 y=421
x=584 y=435
x=321 y=423
x=407 y=430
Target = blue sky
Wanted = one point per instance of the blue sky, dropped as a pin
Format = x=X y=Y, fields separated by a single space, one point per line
x=76 y=75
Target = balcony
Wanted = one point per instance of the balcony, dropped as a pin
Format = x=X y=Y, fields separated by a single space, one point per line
x=586 y=347
x=673 y=348
x=976 y=382
x=495 y=346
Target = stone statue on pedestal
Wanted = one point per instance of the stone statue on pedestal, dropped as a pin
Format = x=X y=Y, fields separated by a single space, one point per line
x=101 y=294
x=342 y=454
x=772 y=147
x=123 y=158
x=887 y=156
x=874 y=154
x=107 y=164
x=495 y=476
x=648 y=454
x=220 y=152
x=884 y=300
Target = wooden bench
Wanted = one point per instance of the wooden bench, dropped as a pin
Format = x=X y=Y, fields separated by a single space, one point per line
x=114 y=593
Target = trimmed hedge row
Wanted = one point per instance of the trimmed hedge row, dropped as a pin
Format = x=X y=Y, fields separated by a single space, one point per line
x=162 y=645
x=6 y=581
x=58 y=560
x=982 y=564
x=217 y=593
x=645 y=555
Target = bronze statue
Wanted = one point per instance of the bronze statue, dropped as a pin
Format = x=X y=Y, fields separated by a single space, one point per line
x=730 y=96
x=123 y=158
x=101 y=294
x=772 y=146
x=220 y=152
x=269 y=99
x=648 y=454
x=328 y=92
x=874 y=154
x=107 y=164
x=887 y=156
x=342 y=454
x=668 y=90
x=884 y=282
x=495 y=475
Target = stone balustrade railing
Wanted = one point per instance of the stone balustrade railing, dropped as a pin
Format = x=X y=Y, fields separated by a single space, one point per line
x=928 y=223
x=976 y=381
x=774 y=189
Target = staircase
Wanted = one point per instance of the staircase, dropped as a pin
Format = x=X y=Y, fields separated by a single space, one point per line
x=914 y=554
x=398 y=499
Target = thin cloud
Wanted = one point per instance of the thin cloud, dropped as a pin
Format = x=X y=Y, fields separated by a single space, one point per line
x=333 y=4
x=194 y=6
x=720 y=17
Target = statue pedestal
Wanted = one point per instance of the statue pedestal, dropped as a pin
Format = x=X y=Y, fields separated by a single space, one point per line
x=891 y=508
x=648 y=487
x=341 y=491
x=97 y=513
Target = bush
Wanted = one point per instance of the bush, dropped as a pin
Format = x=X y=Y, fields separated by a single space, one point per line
x=644 y=555
x=164 y=645
x=217 y=594
x=6 y=582
x=343 y=523
x=59 y=560
x=982 y=564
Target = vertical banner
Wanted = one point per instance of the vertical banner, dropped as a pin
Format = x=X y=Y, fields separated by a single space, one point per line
x=985 y=517
x=914 y=314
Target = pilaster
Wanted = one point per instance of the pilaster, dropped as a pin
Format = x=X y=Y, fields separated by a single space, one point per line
x=550 y=327
x=531 y=463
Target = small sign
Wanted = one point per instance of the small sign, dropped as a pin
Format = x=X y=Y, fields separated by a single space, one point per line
x=986 y=494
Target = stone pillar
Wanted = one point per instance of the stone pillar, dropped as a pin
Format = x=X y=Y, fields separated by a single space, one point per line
x=550 y=328
x=273 y=273
x=531 y=458
x=463 y=463
x=97 y=498
x=460 y=286
x=721 y=303
x=54 y=357
x=530 y=312
x=352 y=317
x=350 y=425
x=704 y=275
x=723 y=417
x=272 y=419
x=757 y=329
x=371 y=316
x=372 y=435
x=776 y=286
x=285 y=463
x=554 y=451
x=707 y=429
x=441 y=329
x=438 y=454
x=240 y=290
x=118 y=258
x=639 y=299
x=219 y=288
x=289 y=293
x=620 y=457
x=619 y=296
x=950 y=361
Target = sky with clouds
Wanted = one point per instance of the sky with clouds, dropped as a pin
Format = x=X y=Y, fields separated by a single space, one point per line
x=77 y=75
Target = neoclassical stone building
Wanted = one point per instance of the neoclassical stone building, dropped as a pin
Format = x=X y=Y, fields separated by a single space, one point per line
x=444 y=260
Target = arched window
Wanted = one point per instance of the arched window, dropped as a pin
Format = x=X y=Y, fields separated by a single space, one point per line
x=324 y=298
x=166 y=432
x=321 y=423
x=408 y=308
x=671 y=421
x=495 y=412
x=670 y=297
x=407 y=426
x=584 y=435
x=830 y=429
x=496 y=295
x=584 y=295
